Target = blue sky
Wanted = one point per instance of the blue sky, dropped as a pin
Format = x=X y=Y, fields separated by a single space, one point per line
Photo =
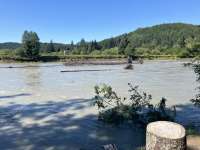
x=66 y=20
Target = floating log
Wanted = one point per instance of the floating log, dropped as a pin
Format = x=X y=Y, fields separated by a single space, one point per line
x=29 y=66
x=164 y=135
x=85 y=70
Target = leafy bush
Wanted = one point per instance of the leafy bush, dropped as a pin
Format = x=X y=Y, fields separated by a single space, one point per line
x=137 y=108
x=129 y=51
x=20 y=52
x=5 y=52
x=191 y=130
x=185 y=54
x=196 y=100
x=95 y=52
x=111 y=51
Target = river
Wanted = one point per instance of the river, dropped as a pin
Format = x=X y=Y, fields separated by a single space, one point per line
x=43 y=108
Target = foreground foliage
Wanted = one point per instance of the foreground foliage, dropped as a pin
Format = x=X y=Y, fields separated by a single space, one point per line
x=196 y=100
x=136 y=108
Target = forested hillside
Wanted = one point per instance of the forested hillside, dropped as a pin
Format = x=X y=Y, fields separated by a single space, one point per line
x=178 y=38
x=43 y=46
x=165 y=39
x=9 y=45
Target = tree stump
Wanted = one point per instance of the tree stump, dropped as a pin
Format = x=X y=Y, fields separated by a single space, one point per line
x=164 y=135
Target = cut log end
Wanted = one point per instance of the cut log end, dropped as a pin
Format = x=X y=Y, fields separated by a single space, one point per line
x=166 y=129
x=166 y=136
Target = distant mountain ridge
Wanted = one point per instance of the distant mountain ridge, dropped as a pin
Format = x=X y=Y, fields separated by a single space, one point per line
x=9 y=45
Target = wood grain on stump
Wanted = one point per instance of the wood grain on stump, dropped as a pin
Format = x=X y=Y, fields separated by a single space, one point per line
x=164 y=135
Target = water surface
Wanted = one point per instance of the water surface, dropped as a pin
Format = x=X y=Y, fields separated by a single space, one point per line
x=42 y=108
x=160 y=78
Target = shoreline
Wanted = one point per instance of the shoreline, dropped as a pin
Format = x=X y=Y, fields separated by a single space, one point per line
x=84 y=59
x=78 y=62
x=95 y=62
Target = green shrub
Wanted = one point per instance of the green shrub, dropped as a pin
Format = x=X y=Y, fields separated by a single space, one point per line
x=111 y=51
x=95 y=52
x=196 y=100
x=191 y=130
x=6 y=52
x=137 y=107
x=20 y=52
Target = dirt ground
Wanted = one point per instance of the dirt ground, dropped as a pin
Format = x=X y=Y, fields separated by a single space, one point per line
x=193 y=142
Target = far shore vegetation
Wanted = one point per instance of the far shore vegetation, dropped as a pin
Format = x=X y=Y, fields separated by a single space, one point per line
x=166 y=41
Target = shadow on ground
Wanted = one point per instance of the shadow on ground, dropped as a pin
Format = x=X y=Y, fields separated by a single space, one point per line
x=188 y=115
x=61 y=126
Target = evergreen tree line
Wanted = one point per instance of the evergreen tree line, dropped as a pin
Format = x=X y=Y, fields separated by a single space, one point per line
x=177 y=39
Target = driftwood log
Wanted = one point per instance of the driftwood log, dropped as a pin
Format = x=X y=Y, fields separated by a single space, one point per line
x=85 y=70
x=164 y=135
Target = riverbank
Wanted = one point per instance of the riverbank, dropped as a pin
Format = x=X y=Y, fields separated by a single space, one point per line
x=68 y=62
x=59 y=58
x=83 y=59
x=117 y=61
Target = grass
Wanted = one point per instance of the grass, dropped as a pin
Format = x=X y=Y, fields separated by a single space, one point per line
x=191 y=130
x=159 y=56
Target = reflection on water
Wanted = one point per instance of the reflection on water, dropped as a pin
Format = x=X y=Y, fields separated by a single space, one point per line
x=32 y=79
x=42 y=103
